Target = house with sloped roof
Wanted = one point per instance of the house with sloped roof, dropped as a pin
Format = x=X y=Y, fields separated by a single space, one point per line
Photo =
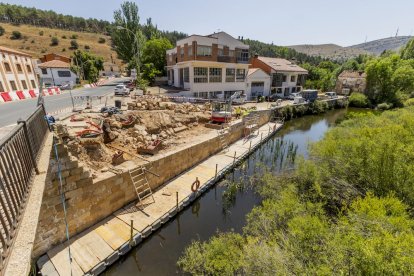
x=286 y=76
x=257 y=84
x=351 y=81
x=57 y=73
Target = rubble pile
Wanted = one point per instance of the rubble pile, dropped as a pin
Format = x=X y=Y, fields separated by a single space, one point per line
x=95 y=139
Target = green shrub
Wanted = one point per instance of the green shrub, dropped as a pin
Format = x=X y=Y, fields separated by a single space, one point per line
x=64 y=50
x=74 y=44
x=43 y=51
x=54 y=41
x=41 y=33
x=358 y=100
x=2 y=31
x=384 y=106
x=74 y=36
x=102 y=40
x=318 y=107
x=16 y=35
x=87 y=47
x=64 y=37
x=409 y=102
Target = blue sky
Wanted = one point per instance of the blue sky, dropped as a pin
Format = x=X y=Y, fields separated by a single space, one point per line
x=282 y=22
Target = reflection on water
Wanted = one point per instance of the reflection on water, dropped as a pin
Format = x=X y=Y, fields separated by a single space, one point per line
x=222 y=208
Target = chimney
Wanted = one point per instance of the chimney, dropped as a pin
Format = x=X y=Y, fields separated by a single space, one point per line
x=256 y=56
x=242 y=39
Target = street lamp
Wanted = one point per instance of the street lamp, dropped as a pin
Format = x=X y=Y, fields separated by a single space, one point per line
x=137 y=46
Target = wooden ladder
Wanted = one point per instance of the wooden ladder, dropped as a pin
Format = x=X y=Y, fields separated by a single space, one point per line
x=223 y=137
x=141 y=184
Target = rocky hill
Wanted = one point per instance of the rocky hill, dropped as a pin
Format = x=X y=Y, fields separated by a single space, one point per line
x=337 y=52
x=378 y=46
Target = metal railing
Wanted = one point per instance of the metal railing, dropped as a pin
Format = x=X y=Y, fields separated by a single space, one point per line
x=19 y=152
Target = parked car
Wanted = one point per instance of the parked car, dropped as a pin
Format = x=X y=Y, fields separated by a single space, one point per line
x=274 y=97
x=122 y=90
x=310 y=95
x=331 y=95
x=292 y=96
x=65 y=86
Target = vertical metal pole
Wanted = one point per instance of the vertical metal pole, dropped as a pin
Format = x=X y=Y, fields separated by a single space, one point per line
x=215 y=177
x=250 y=147
x=71 y=97
x=26 y=135
x=234 y=159
x=176 y=196
x=261 y=137
x=132 y=230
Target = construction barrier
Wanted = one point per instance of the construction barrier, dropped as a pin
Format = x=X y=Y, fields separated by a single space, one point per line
x=27 y=94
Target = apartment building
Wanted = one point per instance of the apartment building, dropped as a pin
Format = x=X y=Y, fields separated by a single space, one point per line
x=213 y=66
x=16 y=71
x=286 y=77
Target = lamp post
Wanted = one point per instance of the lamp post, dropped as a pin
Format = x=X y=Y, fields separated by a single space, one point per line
x=137 y=47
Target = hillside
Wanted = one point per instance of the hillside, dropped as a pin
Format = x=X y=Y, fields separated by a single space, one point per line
x=336 y=52
x=378 y=46
x=32 y=42
x=331 y=51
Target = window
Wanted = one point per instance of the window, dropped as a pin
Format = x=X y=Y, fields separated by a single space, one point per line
x=230 y=75
x=204 y=51
x=284 y=78
x=220 y=52
x=203 y=95
x=1 y=87
x=200 y=75
x=13 y=85
x=29 y=69
x=292 y=78
x=190 y=50
x=64 y=74
x=24 y=84
x=7 y=67
x=182 y=52
x=215 y=75
x=215 y=94
x=19 y=68
x=186 y=74
x=44 y=71
x=243 y=55
x=170 y=57
x=241 y=74
x=231 y=53
x=33 y=83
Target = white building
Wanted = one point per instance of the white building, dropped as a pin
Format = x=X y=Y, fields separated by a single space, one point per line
x=258 y=84
x=57 y=73
x=286 y=77
x=213 y=66
x=16 y=71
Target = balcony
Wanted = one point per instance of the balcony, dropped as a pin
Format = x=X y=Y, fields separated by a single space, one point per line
x=227 y=59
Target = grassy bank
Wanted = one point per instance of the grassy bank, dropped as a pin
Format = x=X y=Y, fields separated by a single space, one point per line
x=345 y=210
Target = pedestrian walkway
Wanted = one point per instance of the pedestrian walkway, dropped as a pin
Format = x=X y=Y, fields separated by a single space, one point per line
x=101 y=245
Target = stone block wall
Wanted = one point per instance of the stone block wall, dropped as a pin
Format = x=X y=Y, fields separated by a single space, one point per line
x=89 y=201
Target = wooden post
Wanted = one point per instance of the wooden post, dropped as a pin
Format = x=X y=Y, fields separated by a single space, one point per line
x=261 y=137
x=250 y=147
x=234 y=160
x=215 y=177
x=176 y=196
x=132 y=230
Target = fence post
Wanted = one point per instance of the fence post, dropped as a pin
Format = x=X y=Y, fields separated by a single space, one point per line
x=26 y=135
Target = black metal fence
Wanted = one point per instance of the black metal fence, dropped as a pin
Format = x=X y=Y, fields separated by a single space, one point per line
x=19 y=152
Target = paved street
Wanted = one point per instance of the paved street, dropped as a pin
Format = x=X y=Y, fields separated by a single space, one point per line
x=12 y=111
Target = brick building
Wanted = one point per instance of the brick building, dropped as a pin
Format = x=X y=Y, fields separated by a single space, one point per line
x=351 y=81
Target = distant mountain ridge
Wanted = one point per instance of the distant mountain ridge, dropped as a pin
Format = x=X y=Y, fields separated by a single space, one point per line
x=336 y=52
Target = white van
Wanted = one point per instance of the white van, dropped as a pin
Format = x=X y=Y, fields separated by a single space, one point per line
x=331 y=95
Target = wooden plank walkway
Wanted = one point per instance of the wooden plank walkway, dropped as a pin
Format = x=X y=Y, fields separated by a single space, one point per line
x=101 y=245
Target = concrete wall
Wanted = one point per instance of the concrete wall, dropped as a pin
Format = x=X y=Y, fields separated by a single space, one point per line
x=89 y=201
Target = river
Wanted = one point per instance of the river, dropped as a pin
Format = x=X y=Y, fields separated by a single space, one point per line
x=214 y=212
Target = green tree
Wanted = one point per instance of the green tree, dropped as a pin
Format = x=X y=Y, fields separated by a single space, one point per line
x=358 y=100
x=2 y=31
x=74 y=44
x=54 y=41
x=408 y=51
x=16 y=35
x=127 y=36
x=154 y=52
x=87 y=66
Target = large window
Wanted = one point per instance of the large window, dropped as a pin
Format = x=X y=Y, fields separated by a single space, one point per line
x=215 y=75
x=19 y=68
x=7 y=67
x=186 y=74
x=1 y=87
x=292 y=78
x=33 y=83
x=230 y=75
x=204 y=51
x=241 y=75
x=29 y=69
x=64 y=74
x=24 y=84
x=284 y=78
x=190 y=50
x=44 y=71
x=13 y=85
x=243 y=55
x=200 y=74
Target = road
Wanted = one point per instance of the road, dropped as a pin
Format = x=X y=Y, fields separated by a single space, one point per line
x=10 y=112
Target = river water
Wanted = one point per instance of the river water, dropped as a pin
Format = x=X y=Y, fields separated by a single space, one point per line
x=218 y=210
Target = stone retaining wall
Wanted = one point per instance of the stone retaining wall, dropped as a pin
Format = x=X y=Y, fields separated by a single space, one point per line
x=89 y=201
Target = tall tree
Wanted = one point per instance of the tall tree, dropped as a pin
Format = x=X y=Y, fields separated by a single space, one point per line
x=127 y=36
x=154 y=52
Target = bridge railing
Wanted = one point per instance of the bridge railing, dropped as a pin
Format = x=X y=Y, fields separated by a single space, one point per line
x=19 y=152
